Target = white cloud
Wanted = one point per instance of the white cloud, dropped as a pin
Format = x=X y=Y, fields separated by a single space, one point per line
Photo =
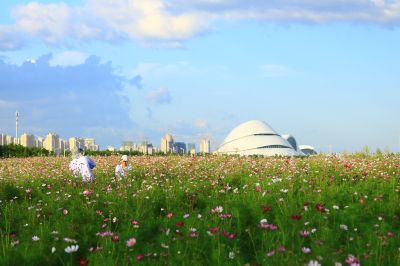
x=9 y=39
x=50 y=22
x=68 y=58
x=171 y=22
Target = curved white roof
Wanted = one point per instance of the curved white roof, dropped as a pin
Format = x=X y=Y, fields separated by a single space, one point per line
x=256 y=137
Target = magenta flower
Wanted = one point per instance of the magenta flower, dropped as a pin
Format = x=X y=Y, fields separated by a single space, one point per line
x=135 y=222
x=320 y=207
x=213 y=230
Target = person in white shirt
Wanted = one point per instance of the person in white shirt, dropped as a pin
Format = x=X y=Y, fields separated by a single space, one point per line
x=122 y=168
x=82 y=166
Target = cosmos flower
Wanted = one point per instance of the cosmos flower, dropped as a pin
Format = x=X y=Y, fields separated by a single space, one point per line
x=131 y=242
x=35 y=238
x=306 y=250
x=71 y=249
x=313 y=263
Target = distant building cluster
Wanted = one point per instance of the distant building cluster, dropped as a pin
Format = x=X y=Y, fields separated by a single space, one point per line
x=253 y=137
x=169 y=145
x=52 y=142
x=143 y=147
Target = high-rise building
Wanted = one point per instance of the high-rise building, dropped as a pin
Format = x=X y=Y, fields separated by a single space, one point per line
x=3 y=139
x=10 y=140
x=128 y=145
x=191 y=148
x=167 y=143
x=90 y=144
x=180 y=147
x=28 y=140
x=16 y=125
x=52 y=143
x=39 y=142
x=76 y=143
x=205 y=146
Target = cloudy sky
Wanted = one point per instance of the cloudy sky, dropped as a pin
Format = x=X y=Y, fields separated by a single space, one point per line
x=325 y=71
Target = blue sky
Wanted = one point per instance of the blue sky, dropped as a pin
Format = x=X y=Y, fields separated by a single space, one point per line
x=324 y=71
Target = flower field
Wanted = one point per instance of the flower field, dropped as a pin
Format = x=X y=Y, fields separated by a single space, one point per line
x=202 y=211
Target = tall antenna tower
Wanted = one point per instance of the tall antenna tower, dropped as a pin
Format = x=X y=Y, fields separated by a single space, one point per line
x=16 y=125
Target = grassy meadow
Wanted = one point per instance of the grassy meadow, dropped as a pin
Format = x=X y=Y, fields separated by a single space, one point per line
x=202 y=211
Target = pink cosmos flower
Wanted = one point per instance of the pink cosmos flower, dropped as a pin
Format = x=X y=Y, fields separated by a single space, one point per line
x=351 y=260
x=306 y=250
x=139 y=257
x=304 y=233
x=87 y=193
x=271 y=253
x=169 y=215
x=131 y=242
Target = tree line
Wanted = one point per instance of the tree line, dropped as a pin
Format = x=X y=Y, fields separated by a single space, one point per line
x=16 y=150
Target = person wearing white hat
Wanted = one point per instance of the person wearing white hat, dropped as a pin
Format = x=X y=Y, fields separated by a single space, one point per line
x=122 y=168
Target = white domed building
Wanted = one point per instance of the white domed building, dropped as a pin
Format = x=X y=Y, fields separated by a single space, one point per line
x=256 y=137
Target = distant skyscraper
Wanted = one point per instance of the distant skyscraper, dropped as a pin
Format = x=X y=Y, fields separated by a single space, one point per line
x=52 y=143
x=16 y=125
x=191 y=148
x=27 y=140
x=167 y=143
x=90 y=144
x=39 y=142
x=10 y=140
x=76 y=143
x=205 y=146
x=180 y=147
x=3 y=139
x=128 y=145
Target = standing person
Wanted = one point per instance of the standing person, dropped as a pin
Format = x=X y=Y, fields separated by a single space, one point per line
x=122 y=168
x=82 y=166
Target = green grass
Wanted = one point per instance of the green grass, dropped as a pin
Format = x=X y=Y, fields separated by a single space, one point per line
x=358 y=199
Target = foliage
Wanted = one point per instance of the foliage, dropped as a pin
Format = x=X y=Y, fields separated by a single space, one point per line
x=175 y=210
x=15 y=150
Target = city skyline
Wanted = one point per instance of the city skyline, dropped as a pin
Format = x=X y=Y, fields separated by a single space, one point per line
x=323 y=72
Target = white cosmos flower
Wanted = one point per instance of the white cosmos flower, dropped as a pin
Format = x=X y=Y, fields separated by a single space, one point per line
x=35 y=238
x=71 y=249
